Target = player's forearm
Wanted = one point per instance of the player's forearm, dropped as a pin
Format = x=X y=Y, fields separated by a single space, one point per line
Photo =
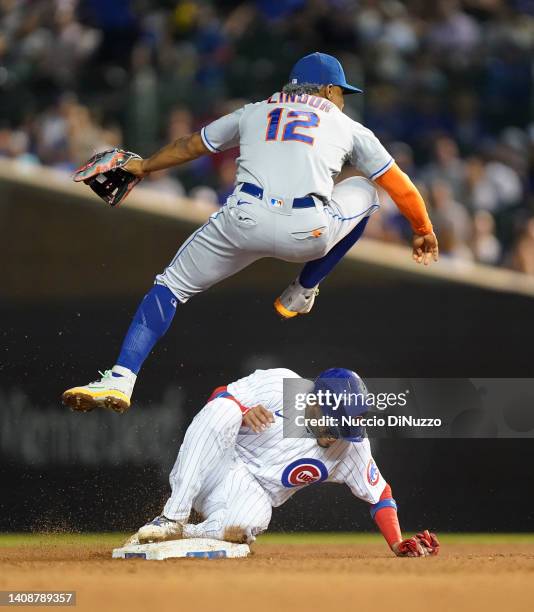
x=407 y=198
x=176 y=153
x=384 y=513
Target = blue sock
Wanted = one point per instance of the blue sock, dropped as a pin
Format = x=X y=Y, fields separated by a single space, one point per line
x=315 y=271
x=150 y=322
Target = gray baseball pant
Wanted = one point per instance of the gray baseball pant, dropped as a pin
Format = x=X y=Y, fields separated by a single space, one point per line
x=246 y=229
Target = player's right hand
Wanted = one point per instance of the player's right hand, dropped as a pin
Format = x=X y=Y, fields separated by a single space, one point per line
x=425 y=248
x=258 y=419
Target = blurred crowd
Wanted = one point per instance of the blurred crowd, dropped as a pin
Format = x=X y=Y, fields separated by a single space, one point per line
x=448 y=89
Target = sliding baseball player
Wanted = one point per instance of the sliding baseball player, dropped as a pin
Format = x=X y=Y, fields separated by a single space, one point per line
x=235 y=464
x=285 y=205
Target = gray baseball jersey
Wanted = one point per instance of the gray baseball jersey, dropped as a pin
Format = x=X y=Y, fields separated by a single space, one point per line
x=290 y=147
x=293 y=146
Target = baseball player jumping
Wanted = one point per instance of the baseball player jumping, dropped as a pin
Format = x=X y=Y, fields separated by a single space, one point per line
x=235 y=464
x=285 y=205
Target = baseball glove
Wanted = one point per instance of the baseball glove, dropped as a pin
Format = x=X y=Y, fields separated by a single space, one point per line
x=105 y=175
x=421 y=545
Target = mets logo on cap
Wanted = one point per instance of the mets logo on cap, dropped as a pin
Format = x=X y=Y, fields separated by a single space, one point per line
x=303 y=472
x=373 y=475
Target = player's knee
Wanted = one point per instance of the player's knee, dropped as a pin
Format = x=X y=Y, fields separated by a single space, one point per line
x=178 y=289
x=244 y=527
x=236 y=534
x=243 y=534
x=356 y=187
x=357 y=182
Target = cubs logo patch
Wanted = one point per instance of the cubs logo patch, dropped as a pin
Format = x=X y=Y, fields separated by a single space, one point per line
x=373 y=475
x=303 y=472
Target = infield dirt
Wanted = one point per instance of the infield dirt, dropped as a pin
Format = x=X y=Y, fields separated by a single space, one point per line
x=465 y=576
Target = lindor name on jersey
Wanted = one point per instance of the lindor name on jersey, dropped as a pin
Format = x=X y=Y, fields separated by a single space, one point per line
x=314 y=101
x=293 y=146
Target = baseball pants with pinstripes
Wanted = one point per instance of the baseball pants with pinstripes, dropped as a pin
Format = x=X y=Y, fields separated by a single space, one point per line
x=209 y=477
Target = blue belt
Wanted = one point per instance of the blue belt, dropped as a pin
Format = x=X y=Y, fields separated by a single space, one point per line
x=257 y=192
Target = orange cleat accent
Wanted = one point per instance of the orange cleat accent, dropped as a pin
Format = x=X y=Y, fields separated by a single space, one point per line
x=283 y=311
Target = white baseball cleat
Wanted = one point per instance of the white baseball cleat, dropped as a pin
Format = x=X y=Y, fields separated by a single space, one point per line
x=113 y=390
x=160 y=529
x=296 y=300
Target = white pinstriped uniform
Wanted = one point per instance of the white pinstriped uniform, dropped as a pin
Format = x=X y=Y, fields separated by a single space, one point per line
x=290 y=147
x=234 y=477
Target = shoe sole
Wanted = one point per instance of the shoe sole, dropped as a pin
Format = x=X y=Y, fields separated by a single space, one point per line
x=83 y=401
x=283 y=311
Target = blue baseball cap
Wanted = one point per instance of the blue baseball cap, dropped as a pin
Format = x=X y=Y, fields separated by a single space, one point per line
x=322 y=69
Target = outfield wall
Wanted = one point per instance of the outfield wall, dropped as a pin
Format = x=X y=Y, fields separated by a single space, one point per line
x=47 y=215
x=73 y=272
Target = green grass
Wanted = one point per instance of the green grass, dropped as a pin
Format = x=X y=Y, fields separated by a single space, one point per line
x=370 y=538
x=115 y=539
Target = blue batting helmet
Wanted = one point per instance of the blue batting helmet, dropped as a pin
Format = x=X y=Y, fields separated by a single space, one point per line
x=344 y=395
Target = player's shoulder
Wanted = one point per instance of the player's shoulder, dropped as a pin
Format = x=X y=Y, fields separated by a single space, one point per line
x=264 y=386
x=275 y=374
x=251 y=106
x=357 y=128
x=271 y=376
x=240 y=109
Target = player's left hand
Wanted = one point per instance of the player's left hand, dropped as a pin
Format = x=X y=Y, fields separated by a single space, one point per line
x=425 y=248
x=107 y=176
x=423 y=544
x=135 y=167
x=258 y=419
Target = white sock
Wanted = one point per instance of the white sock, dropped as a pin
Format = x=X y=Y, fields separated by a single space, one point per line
x=122 y=371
